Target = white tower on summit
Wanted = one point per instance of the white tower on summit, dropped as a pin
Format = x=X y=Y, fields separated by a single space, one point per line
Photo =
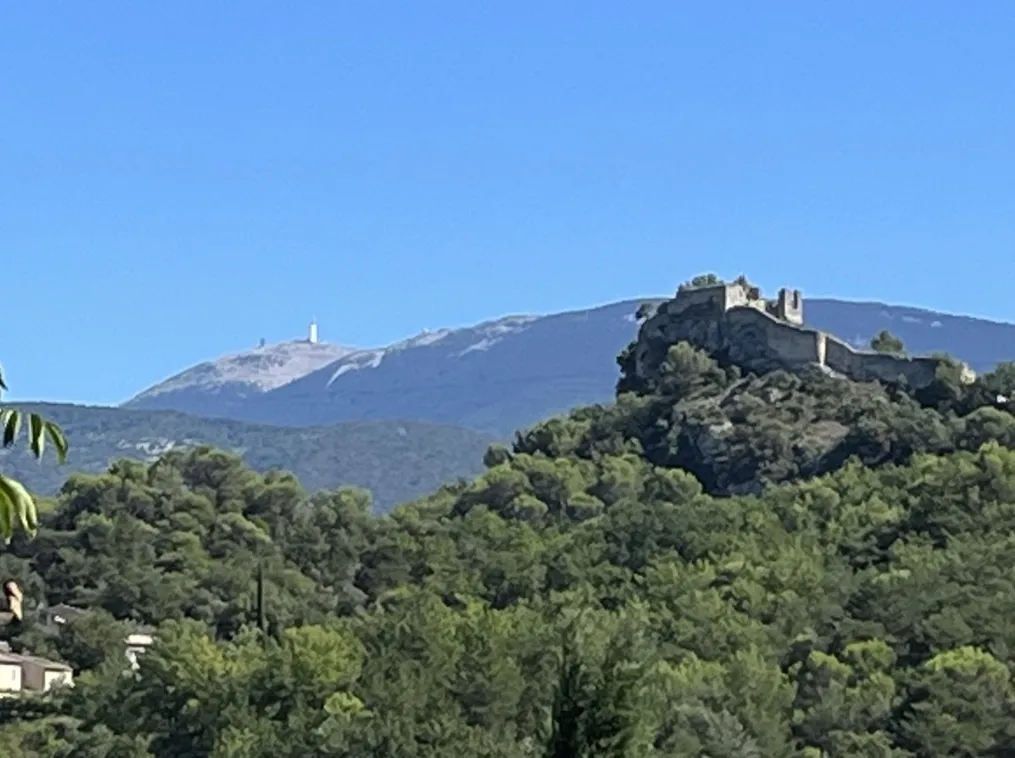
x=312 y=337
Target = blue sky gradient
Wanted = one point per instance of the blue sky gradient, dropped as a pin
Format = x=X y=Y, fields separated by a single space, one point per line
x=181 y=179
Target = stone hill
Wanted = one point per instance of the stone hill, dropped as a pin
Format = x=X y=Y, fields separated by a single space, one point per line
x=736 y=325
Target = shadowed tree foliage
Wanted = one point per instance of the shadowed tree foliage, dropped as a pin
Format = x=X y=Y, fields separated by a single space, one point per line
x=886 y=342
x=701 y=280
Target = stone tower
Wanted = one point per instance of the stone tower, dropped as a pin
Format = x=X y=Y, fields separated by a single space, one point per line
x=790 y=306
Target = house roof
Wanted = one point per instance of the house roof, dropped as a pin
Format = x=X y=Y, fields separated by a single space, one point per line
x=45 y=663
x=62 y=609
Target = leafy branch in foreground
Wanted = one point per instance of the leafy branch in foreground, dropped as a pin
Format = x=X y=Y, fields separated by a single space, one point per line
x=16 y=504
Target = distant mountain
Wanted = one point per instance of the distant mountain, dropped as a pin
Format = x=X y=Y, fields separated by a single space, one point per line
x=494 y=377
x=506 y=374
x=396 y=461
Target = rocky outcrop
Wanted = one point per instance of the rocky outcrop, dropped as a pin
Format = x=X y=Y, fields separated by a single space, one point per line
x=733 y=324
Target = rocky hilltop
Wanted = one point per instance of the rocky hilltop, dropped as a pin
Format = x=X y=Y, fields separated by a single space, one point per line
x=733 y=323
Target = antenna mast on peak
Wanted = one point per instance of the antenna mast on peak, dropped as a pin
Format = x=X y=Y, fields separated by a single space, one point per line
x=312 y=336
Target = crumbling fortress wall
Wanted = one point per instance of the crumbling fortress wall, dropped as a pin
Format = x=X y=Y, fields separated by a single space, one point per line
x=735 y=323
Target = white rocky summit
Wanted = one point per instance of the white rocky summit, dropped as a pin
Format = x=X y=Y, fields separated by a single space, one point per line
x=260 y=369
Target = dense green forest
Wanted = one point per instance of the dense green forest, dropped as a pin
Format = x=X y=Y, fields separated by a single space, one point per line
x=717 y=564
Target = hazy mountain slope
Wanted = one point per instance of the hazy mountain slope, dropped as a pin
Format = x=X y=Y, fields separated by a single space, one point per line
x=397 y=461
x=508 y=374
x=496 y=376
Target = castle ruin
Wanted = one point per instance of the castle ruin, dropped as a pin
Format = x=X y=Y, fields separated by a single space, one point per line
x=735 y=323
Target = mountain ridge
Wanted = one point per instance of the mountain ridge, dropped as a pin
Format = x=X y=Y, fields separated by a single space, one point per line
x=395 y=460
x=504 y=374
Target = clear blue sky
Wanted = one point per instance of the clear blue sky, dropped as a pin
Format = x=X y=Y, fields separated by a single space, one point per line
x=180 y=179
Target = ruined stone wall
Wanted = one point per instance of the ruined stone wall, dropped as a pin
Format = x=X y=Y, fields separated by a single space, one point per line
x=761 y=341
x=698 y=297
x=737 y=297
x=720 y=298
x=868 y=365
x=785 y=343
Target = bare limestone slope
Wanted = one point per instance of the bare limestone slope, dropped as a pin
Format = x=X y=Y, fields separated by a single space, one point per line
x=219 y=388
